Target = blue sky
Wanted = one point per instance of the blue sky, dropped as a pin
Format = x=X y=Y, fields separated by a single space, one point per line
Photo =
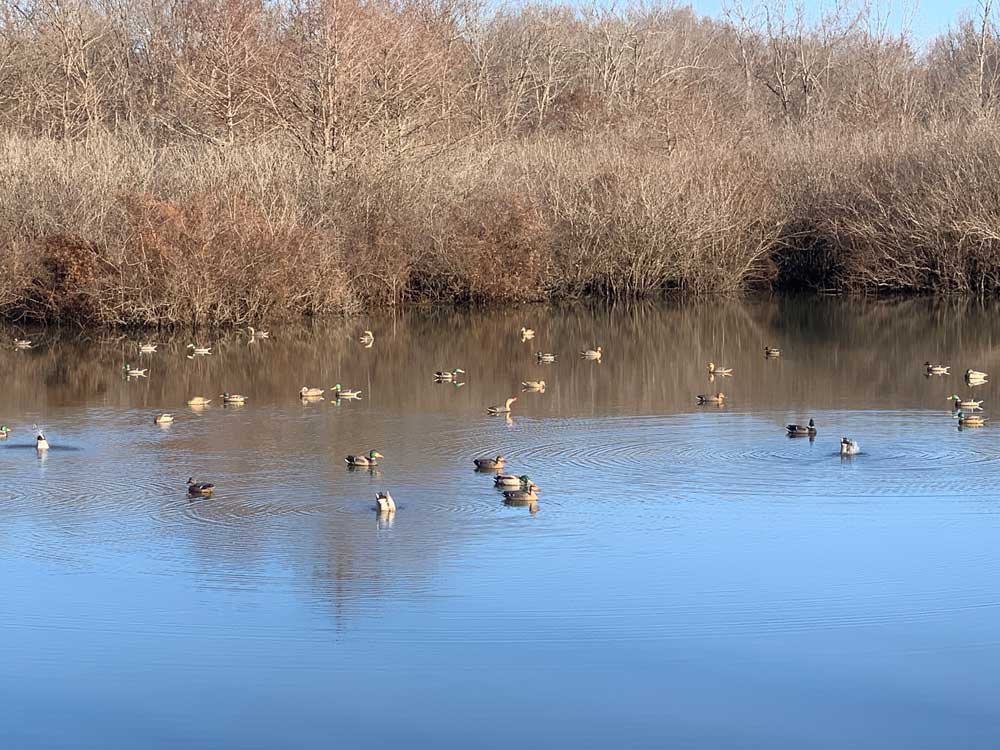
x=932 y=16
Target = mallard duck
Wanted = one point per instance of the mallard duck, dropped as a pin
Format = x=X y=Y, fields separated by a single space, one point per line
x=134 y=372
x=718 y=398
x=311 y=392
x=799 y=430
x=971 y=374
x=22 y=343
x=147 y=348
x=592 y=353
x=970 y=420
x=509 y=480
x=849 y=447
x=199 y=350
x=937 y=369
x=505 y=409
x=958 y=403
x=545 y=357
x=527 y=333
x=255 y=334
x=714 y=370
x=370 y=460
x=367 y=338
x=491 y=464
x=771 y=352
x=443 y=376
x=533 y=385
x=232 y=398
x=41 y=443
x=345 y=393
x=199 y=401
x=199 y=489
x=163 y=418
x=384 y=503
x=4 y=431
x=526 y=495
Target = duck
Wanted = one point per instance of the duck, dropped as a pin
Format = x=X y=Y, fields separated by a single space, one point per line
x=937 y=369
x=798 y=430
x=718 y=398
x=384 y=503
x=527 y=495
x=958 y=403
x=532 y=385
x=255 y=334
x=135 y=372
x=4 y=431
x=232 y=398
x=22 y=343
x=199 y=350
x=370 y=460
x=505 y=409
x=771 y=352
x=163 y=418
x=367 y=338
x=971 y=374
x=849 y=447
x=527 y=333
x=714 y=370
x=594 y=354
x=41 y=444
x=147 y=348
x=199 y=489
x=509 y=480
x=970 y=420
x=545 y=357
x=490 y=464
x=199 y=401
x=346 y=393
x=305 y=392
x=443 y=376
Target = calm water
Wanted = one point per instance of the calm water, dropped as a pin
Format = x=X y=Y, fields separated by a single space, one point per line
x=691 y=578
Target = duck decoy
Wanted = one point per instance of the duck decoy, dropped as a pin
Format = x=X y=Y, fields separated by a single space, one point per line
x=546 y=357
x=505 y=409
x=199 y=489
x=849 y=447
x=509 y=480
x=255 y=334
x=971 y=374
x=147 y=348
x=199 y=401
x=717 y=398
x=345 y=393
x=443 y=376
x=490 y=464
x=163 y=418
x=594 y=354
x=384 y=503
x=527 y=333
x=958 y=403
x=370 y=460
x=970 y=420
x=527 y=495
x=232 y=398
x=714 y=370
x=937 y=369
x=4 y=431
x=533 y=385
x=134 y=372
x=199 y=350
x=311 y=392
x=367 y=338
x=800 y=430
x=22 y=343
x=771 y=352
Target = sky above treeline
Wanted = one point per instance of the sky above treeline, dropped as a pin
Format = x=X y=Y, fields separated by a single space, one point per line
x=927 y=18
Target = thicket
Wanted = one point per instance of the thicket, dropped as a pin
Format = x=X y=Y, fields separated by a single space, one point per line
x=225 y=161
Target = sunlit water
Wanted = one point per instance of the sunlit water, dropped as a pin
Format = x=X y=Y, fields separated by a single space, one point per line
x=690 y=577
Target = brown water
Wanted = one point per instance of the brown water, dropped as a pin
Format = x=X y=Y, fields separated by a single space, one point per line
x=689 y=577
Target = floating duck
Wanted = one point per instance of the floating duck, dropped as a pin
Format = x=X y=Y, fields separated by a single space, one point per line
x=147 y=348
x=546 y=357
x=199 y=489
x=799 y=430
x=527 y=333
x=533 y=385
x=200 y=351
x=849 y=447
x=971 y=374
x=771 y=352
x=937 y=369
x=370 y=460
x=345 y=393
x=367 y=338
x=199 y=401
x=527 y=495
x=311 y=392
x=970 y=420
x=714 y=370
x=4 y=431
x=958 y=403
x=594 y=354
x=163 y=418
x=384 y=503
x=509 y=480
x=718 y=398
x=443 y=376
x=22 y=343
x=134 y=372
x=505 y=409
x=41 y=444
x=255 y=334
x=490 y=464
x=233 y=398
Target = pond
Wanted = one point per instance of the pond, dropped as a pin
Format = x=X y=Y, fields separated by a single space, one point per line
x=689 y=576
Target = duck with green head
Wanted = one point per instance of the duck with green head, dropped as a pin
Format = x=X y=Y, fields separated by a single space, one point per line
x=370 y=460
x=509 y=480
x=958 y=403
x=444 y=376
x=340 y=392
x=4 y=431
